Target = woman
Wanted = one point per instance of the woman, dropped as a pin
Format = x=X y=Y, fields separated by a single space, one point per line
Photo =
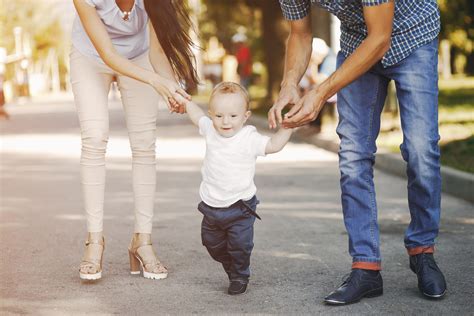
x=144 y=44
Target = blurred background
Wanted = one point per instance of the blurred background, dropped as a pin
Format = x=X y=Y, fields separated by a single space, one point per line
x=242 y=41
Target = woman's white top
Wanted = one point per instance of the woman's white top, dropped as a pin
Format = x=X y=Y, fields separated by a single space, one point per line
x=130 y=38
x=229 y=165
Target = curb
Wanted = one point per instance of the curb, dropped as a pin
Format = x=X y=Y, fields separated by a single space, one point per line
x=457 y=183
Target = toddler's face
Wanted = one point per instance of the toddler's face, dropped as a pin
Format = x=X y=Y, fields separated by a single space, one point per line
x=228 y=113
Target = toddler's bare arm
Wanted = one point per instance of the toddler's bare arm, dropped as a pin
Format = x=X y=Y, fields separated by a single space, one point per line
x=278 y=140
x=194 y=111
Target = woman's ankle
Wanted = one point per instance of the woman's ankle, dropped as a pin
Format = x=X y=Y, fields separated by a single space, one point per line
x=141 y=237
x=95 y=235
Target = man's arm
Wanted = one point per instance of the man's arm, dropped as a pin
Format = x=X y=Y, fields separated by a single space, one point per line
x=278 y=140
x=298 y=54
x=379 y=20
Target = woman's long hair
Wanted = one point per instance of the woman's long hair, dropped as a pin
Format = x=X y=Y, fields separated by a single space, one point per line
x=171 y=23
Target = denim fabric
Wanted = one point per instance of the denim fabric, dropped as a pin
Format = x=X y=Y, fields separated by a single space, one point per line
x=360 y=105
x=227 y=233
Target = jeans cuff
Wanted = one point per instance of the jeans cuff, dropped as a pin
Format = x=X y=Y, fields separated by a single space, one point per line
x=366 y=264
x=412 y=251
x=377 y=266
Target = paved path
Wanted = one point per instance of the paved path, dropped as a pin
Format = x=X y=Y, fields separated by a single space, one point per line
x=300 y=245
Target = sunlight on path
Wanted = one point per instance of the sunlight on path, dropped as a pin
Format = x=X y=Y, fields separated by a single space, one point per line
x=68 y=146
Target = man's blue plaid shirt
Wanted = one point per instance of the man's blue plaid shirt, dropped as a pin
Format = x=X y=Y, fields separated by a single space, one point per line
x=416 y=23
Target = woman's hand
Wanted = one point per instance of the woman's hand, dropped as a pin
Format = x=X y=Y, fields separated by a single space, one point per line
x=288 y=95
x=167 y=88
x=178 y=103
x=305 y=110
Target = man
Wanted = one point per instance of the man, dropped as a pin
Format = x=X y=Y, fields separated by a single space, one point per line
x=380 y=41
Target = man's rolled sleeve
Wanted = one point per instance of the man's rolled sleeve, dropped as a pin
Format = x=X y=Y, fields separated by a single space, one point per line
x=371 y=3
x=295 y=9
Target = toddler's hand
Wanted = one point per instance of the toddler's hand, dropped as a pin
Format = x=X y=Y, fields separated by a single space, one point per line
x=178 y=103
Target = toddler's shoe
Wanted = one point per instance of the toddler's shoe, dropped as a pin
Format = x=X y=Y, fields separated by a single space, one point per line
x=237 y=287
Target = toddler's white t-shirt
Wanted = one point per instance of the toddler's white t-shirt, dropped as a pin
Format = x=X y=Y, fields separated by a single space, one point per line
x=229 y=165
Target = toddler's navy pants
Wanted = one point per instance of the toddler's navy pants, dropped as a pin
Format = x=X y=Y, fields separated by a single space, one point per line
x=227 y=233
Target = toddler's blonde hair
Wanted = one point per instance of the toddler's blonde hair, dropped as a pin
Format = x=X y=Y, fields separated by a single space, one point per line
x=227 y=87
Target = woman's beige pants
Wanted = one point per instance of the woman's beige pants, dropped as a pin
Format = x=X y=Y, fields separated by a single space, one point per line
x=91 y=82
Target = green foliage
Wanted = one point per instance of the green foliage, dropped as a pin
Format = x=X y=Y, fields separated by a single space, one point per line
x=41 y=28
x=457 y=23
x=459 y=154
x=223 y=18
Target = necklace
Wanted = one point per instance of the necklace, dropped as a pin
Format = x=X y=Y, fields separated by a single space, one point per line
x=125 y=15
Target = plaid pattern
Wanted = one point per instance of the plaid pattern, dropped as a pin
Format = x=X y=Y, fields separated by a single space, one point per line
x=416 y=23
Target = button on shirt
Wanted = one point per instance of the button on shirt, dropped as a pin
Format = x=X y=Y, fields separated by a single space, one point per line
x=416 y=23
x=229 y=165
x=130 y=38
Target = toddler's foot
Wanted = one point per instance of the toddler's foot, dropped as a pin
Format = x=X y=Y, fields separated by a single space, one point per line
x=237 y=287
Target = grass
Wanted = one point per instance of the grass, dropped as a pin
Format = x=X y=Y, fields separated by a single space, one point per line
x=456 y=125
x=459 y=154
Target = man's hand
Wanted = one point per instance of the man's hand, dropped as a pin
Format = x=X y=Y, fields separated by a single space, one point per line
x=305 y=110
x=288 y=96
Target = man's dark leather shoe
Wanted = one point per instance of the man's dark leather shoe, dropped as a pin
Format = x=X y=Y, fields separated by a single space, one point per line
x=431 y=280
x=237 y=287
x=360 y=283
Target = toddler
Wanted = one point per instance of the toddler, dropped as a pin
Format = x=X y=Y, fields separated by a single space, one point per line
x=227 y=189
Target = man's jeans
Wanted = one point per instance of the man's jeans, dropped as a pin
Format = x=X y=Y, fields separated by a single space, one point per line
x=227 y=233
x=360 y=105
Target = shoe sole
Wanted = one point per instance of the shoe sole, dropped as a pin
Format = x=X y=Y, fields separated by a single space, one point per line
x=149 y=275
x=152 y=276
x=370 y=294
x=155 y=276
x=236 y=293
x=90 y=277
x=434 y=296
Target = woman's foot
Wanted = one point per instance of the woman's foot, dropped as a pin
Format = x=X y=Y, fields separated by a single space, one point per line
x=143 y=257
x=91 y=264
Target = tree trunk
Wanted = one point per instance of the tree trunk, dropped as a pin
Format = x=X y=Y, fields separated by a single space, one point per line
x=275 y=32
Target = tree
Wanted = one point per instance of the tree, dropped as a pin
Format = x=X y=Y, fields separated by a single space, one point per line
x=457 y=26
x=42 y=29
x=266 y=31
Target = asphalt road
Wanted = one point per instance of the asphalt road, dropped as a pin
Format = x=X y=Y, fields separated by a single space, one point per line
x=300 y=252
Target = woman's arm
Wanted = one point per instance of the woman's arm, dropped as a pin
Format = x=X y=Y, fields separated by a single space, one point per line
x=158 y=58
x=99 y=37
x=379 y=20
x=162 y=66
